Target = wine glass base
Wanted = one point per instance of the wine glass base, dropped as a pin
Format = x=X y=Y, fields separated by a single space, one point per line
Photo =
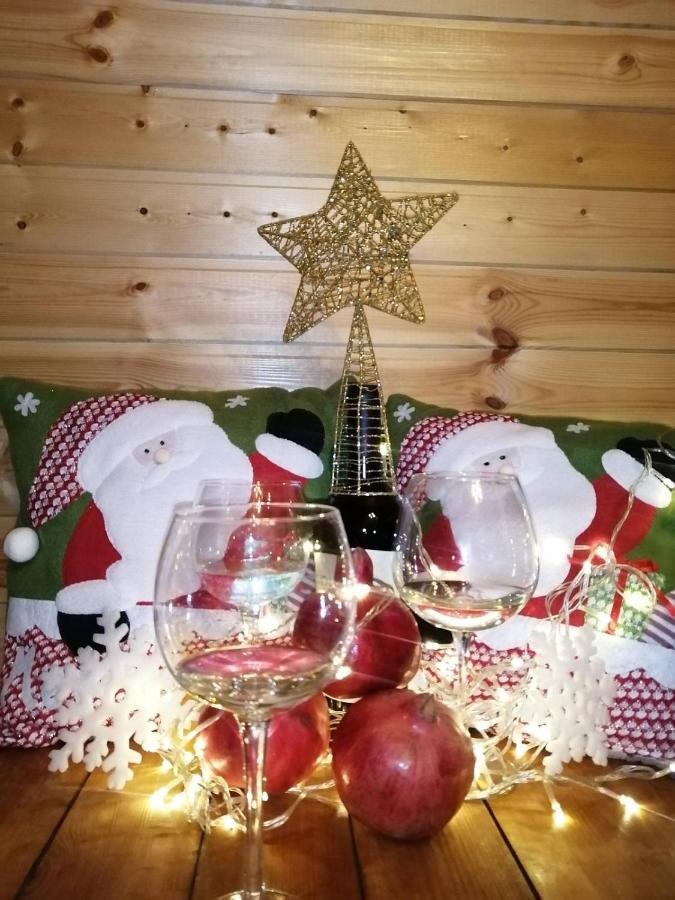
x=264 y=894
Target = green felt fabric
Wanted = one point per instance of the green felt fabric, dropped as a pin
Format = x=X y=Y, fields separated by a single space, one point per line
x=41 y=578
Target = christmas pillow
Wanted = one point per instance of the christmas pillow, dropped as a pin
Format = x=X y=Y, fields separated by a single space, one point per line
x=576 y=477
x=98 y=474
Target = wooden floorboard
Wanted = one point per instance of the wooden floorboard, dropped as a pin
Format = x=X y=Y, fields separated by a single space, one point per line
x=468 y=859
x=114 y=846
x=33 y=803
x=598 y=853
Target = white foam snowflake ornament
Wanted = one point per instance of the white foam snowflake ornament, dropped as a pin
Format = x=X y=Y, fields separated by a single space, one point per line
x=567 y=697
x=106 y=701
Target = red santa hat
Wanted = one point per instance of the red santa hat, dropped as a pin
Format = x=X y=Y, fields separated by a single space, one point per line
x=439 y=444
x=56 y=484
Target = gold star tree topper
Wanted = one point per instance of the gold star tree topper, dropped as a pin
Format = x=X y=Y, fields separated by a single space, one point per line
x=354 y=250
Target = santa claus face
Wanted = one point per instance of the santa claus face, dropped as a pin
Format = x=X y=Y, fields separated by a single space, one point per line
x=560 y=499
x=138 y=497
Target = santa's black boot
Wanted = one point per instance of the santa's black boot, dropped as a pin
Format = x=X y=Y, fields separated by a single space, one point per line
x=80 y=630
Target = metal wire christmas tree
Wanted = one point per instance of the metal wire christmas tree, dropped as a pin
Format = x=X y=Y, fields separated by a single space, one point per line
x=362 y=459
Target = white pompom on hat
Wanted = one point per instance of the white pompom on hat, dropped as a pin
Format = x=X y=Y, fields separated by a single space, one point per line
x=56 y=484
x=439 y=443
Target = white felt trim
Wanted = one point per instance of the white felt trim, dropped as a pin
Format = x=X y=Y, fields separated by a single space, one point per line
x=625 y=470
x=114 y=443
x=24 y=614
x=620 y=655
x=88 y=597
x=288 y=455
x=456 y=451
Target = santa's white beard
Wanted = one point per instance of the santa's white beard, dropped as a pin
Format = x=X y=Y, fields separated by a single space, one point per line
x=137 y=504
x=561 y=503
x=562 y=506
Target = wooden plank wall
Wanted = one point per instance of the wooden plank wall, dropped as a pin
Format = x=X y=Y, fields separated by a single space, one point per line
x=141 y=143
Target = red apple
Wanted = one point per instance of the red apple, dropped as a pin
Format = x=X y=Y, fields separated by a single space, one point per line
x=402 y=766
x=296 y=739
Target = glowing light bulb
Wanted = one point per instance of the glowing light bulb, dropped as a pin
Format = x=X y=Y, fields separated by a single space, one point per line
x=671 y=768
x=519 y=750
x=227 y=823
x=165 y=766
x=157 y=800
x=559 y=815
x=517 y=662
x=630 y=807
x=343 y=672
x=265 y=795
x=177 y=801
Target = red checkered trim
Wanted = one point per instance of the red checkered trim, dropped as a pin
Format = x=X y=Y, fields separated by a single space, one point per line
x=55 y=484
x=421 y=442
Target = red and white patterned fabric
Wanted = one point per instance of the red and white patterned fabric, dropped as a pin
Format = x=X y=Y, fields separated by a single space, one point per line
x=55 y=484
x=423 y=439
x=642 y=715
x=25 y=719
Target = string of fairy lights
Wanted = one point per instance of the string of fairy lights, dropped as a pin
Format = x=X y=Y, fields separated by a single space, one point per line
x=507 y=754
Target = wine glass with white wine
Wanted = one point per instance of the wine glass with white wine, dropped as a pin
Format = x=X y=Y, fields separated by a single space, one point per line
x=236 y=633
x=466 y=556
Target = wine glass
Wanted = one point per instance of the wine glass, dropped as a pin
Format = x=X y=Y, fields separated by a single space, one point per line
x=224 y=491
x=254 y=613
x=466 y=556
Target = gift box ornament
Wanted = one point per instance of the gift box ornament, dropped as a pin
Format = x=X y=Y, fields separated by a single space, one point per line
x=622 y=605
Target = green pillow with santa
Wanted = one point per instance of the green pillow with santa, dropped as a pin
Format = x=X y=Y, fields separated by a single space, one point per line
x=98 y=476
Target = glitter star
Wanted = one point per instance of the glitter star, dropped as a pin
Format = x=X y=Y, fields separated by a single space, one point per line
x=354 y=250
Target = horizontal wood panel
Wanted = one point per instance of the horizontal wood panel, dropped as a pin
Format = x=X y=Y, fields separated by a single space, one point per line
x=7 y=521
x=76 y=124
x=620 y=12
x=55 y=209
x=152 y=298
x=603 y=384
x=163 y=42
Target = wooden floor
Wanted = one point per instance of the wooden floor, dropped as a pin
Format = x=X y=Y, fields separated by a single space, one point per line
x=67 y=836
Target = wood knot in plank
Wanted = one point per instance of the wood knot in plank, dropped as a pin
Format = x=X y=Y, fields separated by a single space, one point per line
x=104 y=19
x=626 y=62
x=504 y=339
x=99 y=55
x=496 y=294
x=18 y=103
x=22 y=225
x=495 y=402
x=501 y=354
x=141 y=286
x=17 y=148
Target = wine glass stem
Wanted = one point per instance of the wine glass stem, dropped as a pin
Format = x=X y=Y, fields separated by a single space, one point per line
x=463 y=643
x=254 y=735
